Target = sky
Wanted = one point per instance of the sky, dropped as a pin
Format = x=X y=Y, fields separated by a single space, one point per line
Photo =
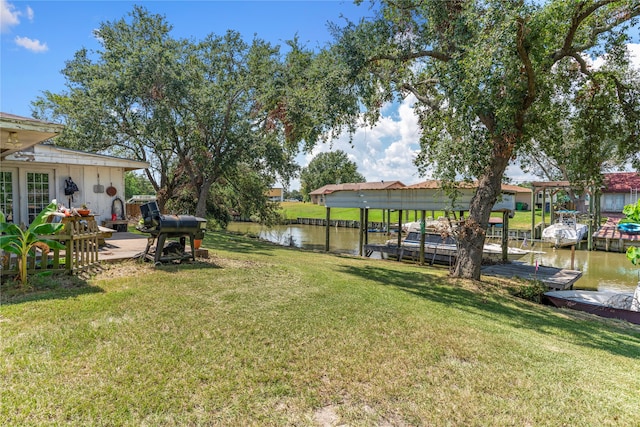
x=38 y=37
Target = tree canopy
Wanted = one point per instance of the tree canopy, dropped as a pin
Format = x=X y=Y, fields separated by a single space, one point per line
x=484 y=74
x=199 y=112
x=332 y=167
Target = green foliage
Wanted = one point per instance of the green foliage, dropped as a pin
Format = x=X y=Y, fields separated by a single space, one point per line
x=484 y=75
x=193 y=109
x=332 y=167
x=530 y=290
x=632 y=213
x=23 y=242
x=633 y=254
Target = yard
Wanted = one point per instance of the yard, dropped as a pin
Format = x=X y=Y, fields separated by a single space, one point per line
x=266 y=335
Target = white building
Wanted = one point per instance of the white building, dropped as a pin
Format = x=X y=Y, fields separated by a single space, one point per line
x=32 y=173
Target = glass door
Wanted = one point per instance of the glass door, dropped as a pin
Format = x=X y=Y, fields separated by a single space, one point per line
x=7 y=195
x=38 y=193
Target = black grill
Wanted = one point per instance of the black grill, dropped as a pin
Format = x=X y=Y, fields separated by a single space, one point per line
x=163 y=227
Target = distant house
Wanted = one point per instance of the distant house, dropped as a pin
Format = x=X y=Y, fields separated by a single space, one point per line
x=523 y=195
x=276 y=195
x=620 y=189
x=32 y=173
x=318 y=196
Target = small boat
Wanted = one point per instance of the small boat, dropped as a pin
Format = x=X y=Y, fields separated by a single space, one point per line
x=440 y=247
x=617 y=305
x=566 y=231
x=629 y=227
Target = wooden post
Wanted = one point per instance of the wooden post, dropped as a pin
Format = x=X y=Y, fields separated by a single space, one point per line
x=533 y=214
x=388 y=221
x=399 y=234
x=573 y=255
x=366 y=226
x=360 y=251
x=544 y=200
x=505 y=235
x=326 y=231
x=591 y=219
x=422 y=237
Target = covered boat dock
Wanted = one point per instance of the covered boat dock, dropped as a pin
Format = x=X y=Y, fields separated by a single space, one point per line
x=423 y=197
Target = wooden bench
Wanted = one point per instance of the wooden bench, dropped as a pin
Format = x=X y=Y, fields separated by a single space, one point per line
x=119 y=225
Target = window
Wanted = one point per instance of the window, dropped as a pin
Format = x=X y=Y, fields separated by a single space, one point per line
x=37 y=193
x=6 y=195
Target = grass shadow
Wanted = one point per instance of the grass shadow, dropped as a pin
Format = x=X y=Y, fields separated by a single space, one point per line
x=47 y=288
x=616 y=337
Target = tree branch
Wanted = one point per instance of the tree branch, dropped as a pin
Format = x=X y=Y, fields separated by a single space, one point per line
x=523 y=53
x=412 y=55
x=424 y=99
x=568 y=49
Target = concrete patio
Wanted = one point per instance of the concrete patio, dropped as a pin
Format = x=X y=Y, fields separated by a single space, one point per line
x=122 y=246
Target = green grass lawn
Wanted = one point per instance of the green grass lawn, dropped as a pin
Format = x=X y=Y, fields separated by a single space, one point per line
x=293 y=210
x=267 y=335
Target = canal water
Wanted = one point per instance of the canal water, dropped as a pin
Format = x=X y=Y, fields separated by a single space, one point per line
x=600 y=270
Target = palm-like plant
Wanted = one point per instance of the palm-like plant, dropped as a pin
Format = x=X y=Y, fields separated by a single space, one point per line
x=21 y=242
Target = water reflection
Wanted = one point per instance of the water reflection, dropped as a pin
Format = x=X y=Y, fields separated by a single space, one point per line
x=601 y=270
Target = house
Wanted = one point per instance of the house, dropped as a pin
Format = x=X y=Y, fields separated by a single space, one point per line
x=276 y=195
x=620 y=189
x=33 y=173
x=318 y=196
x=523 y=196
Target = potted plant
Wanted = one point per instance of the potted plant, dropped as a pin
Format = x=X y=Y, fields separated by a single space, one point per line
x=84 y=210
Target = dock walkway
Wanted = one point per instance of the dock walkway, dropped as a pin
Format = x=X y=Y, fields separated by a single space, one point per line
x=557 y=279
x=610 y=239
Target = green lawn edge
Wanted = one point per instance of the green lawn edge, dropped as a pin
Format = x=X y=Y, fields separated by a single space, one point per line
x=265 y=335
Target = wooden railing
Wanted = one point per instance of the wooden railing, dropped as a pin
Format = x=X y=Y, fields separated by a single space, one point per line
x=80 y=238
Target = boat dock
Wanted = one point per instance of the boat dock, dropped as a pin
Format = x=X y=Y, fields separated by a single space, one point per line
x=557 y=279
x=610 y=239
x=445 y=256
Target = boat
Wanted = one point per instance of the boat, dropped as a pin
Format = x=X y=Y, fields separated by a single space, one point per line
x=566 y=231
x=616 y=305
x=442 y=248
x=629 y=227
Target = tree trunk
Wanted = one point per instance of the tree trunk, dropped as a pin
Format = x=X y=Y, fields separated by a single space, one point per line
x=203 y=192
x=472 y=231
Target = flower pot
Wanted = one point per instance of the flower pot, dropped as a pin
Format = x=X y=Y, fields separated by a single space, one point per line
x=197 y=243
x=84 y=212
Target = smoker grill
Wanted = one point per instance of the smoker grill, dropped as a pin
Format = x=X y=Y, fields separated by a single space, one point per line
x=161 y=227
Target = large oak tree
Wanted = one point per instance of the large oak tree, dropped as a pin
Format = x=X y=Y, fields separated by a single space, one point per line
x=201 y=112
x=484 y=74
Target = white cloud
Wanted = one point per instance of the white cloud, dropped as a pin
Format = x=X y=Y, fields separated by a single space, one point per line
x=384 y=152
x=634 y=53
x=9 y=16
x=30 y=13
x=32 y=45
